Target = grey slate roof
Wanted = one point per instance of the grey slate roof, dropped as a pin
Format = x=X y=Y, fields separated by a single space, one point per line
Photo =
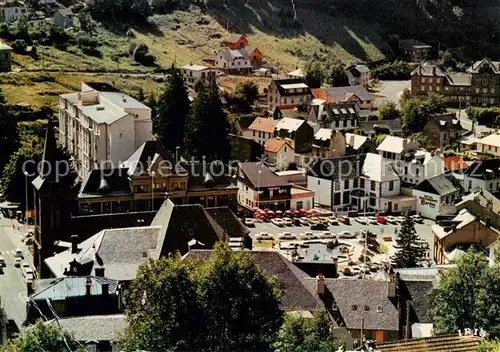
x=249 y=172
x=119 y=251
x=231 y=54
x=208 y=176
x=438 y=185
x=338 y=94
x=296 y=294
x=93 y=327
x=368 y=126
x=447 y=121
x=427 y=69
x=419 y=293
x=459 y=79
x=108 y=183
x=357 y=302
x=147 y=154
x=64 y=287
x=65 y=11
x=223 y=219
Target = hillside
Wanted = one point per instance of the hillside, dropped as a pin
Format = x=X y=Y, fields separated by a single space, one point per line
x=191 y=36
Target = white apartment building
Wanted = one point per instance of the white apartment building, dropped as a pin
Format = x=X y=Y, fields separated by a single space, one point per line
x=412 y=164
x=358 y=75
x=11 y=11
x=102 y=127
x=234 y=61
x=290 y=92
x=482 y=174
x=191 y=74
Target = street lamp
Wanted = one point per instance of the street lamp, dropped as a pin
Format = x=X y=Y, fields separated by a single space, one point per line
x=26 y=194
x=152 y=190
x=258 y=187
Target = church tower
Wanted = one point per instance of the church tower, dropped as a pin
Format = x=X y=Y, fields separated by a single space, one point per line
x=52 y=202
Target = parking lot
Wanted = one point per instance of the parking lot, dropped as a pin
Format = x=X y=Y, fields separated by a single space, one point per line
x=386 y=230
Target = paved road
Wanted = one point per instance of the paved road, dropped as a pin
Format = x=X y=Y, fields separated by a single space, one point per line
x=390 y=91
x=423 y=230
x=12 y=283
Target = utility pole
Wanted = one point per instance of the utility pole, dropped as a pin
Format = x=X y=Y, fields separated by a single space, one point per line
x=362 y=330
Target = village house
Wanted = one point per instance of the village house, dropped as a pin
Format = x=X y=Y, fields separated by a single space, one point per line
x=192 y=74
x=234 y=61
x=479 y=86
x=336 y=182
x=291 y=112
x=328 y=143
x=412 y=164
x=101 y=126
x=236 y=41
x=5 y=57
x=357 y=144
x=12 y=10
x=260 y=130
x=302 y=198
x=489 y=145
x=279 y=152
x=287 y=93
x=335 y=115
x=483 y=174
x=63 y=18
x=358 y=75
x=436 y=196
x=299 y=131
x=260 y=187
x=368 y=128
x=254 y=55
x=353 y=94
x=143 y=180
x=452 y=238
x=443 y=130
x=414 y=50
x=297 y=73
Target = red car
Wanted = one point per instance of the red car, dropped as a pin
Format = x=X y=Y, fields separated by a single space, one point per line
x=381 y=220
x=344 y=220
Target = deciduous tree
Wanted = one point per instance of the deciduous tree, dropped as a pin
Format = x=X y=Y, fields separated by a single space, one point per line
x=389 y=111
x=223 y=303
x=315 y=74
x=301 y=334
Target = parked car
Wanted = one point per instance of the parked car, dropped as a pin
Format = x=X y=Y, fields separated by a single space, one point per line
x=304 y=221
x=372 y=220
x=381 y=219
x=250 y=222
x=288 y=221
x=2 y=261
x=27 y=271
x=333 y=220
x=308 y=234
x=418 y=219
x=17 y=262
x=347 y=271
x=345 y=220
x=19 y=253
x=287 y=236
x=327 y=235
x=319 y=226
x=346 y=234
x=362 y=220
x=278 y=222
x=264 y=236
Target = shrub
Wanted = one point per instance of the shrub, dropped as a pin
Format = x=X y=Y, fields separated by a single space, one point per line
x=397 y=70
x=19 y=46
x=130 y=34
x=141 y=55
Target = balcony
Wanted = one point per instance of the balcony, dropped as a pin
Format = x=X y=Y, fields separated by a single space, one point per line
x=265 y=198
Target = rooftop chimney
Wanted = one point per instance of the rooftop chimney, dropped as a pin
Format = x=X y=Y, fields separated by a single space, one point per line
x=74 y=244
x=320 y=284
x=99 y=271
x=177 y=152
x=88 y=285
x=433 y=70
x=391 y=289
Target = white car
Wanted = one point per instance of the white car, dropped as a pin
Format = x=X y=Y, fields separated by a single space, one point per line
x=17 y=262
x=304 y=221
x=264 y=236
x=327 y=235
x=28 y=273
x=390 y=219
x=2 y=261
x=372 y=220
x=287 y=221
x=362 y=220
x=250 y=222
x=287 y=236
x=278 y=222
x=346 y=234
x=19 y=253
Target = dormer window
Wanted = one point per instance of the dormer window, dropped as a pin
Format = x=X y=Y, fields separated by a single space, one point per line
x=354 y=307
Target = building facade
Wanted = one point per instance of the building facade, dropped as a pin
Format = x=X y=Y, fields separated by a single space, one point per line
x=358 y=75
x=299 y=131
x=234 y=61
x=5 y=58
x=260 y=130
x=12 y=10
x=443 y=130
x=479 y=86
x=290 y=92
x=489 y=145
x=192 y=74
x=100 y=126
